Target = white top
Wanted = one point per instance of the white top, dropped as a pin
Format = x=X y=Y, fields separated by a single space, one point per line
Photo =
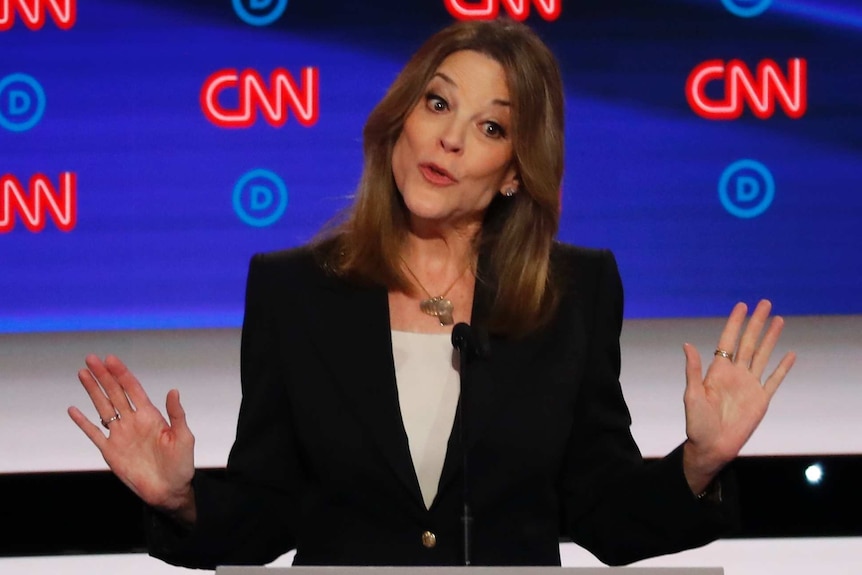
x=428 y=386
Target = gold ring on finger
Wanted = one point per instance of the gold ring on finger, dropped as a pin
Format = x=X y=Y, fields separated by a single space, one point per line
x=723 y=353
x=107 y=422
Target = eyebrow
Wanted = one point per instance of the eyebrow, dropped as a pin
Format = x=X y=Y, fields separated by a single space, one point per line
x=450 y=81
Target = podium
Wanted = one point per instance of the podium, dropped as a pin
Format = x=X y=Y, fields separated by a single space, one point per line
x=240 y=570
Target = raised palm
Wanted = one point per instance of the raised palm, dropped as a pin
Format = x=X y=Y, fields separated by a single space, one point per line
x=724 y=407
x=154 y=457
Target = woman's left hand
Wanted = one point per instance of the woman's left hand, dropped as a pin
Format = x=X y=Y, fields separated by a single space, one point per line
x=724 y=408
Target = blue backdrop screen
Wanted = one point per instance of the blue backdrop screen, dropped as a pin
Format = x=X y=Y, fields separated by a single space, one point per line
x=149 y=148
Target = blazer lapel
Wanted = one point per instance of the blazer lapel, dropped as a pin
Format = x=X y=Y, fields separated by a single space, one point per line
x=354 y=321
x=489 y=383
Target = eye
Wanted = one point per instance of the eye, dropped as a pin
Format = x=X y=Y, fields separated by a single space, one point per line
x=494 y=130
x=435 y=103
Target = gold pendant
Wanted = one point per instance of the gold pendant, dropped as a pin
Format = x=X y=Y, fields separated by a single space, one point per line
x=439 y=307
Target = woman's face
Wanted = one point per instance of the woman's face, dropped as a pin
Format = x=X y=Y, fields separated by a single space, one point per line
x=455 y=151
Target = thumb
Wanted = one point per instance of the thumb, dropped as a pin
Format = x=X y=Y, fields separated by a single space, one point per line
x=176 y=413
x=693 y=370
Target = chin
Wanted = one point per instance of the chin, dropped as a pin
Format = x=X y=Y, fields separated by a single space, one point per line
x=428 y=216
x=424 y=207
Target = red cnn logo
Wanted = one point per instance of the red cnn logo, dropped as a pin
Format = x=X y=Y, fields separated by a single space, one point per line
x=761 y=93
x=273 y=101
x=488 y=9
x=34 y=13
x=42 y=201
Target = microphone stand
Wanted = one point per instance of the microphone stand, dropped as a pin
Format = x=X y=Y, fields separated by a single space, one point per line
x=463 y=340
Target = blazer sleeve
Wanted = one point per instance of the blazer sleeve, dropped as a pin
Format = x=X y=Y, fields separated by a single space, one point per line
x=246 y=518
x=615 y=505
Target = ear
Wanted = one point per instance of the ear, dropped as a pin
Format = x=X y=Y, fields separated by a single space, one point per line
x=511 y=183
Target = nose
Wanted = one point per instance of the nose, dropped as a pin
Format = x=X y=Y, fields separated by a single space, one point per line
x=452 y=137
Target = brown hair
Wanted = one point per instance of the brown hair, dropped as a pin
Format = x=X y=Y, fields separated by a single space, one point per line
x=517 y=232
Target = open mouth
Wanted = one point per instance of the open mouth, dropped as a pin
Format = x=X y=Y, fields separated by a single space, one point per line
x=437 y=175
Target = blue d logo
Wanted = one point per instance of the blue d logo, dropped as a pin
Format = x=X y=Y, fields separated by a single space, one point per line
x=747 y=8
x=746 y=189
x=259 y=12
x=260 y=198
x=22 y=102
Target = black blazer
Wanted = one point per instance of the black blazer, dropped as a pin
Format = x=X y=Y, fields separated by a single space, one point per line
x=321 y=461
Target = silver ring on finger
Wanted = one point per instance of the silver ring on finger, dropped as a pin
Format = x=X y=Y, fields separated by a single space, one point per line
x=107 y=422
x=723 y=353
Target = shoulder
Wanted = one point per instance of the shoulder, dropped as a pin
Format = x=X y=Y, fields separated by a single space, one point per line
x=574 y=265
x=299 y=272
x=299 y=259
x=587 y=278
x=284 y=275
x=571 y=253
x=294 y=267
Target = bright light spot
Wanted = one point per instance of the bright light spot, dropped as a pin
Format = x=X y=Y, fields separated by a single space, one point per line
x=814 y=474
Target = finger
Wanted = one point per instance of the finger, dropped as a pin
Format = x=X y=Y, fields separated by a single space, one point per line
x=693 y=371
x=176 y=413
x=89 y=428
x=751 y=335
x=103 y=405
x=774 y=380
x=730 y=334
x=109 y=384
x=127 y=381
x=761 y=355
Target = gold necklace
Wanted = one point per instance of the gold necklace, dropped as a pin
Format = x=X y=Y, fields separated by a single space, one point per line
x=437 y=306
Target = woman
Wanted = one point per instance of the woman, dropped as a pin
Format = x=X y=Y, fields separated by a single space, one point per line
x=347 y=445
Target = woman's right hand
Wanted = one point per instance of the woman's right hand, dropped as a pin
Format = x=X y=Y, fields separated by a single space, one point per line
x=153 y=457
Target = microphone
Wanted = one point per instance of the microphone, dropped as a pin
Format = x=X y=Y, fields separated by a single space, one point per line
x=471 y=344
x=474 y=342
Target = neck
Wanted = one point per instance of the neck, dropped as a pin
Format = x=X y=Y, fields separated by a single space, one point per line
x=439 y=252
x=438 y=267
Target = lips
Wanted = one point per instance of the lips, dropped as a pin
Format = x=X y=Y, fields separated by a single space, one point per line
x=437 y=175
